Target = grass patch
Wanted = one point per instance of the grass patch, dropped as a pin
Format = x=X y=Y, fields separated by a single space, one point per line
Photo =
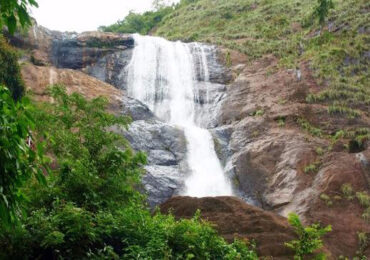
x=312 y=130
x=312 y=167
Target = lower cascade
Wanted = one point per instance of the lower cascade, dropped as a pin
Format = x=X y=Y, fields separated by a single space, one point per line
x=164 y=76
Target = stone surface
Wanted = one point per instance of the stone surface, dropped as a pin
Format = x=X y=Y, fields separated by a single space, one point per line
x=39 y=78
x=166 y=148
x=83 y=50
x=268 y=160
x=233 y=218
x=88 y=51
x=111 y=68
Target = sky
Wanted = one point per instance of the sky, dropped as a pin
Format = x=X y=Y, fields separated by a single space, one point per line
x=85 y=15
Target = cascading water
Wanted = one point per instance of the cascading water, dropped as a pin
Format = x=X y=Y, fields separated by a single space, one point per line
x=163 y=75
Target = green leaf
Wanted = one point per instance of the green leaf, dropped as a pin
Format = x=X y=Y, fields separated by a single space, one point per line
x=23 y=16
x=12 y=24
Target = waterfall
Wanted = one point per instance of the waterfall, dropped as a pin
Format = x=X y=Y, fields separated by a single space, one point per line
x=164 y=76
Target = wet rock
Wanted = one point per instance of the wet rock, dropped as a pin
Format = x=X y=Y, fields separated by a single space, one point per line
x=217 y=72
x=82 y=50
x=166 y=148
x=208 y=103
x=222 y=136
x=101 y=54
x=111 y=68
x=136 y=109
x=233 y=218
x=161 y=183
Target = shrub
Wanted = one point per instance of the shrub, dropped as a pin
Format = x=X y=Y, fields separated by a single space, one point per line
x=347 y=191
x=138 y=23
x=322 y=9
x=366 y=214
x=19 y=161
x=10 y=74
x=309 y=237
x=326 y=199
x=319 y=151
x=312 y=168
x=258 y=112
x=310 y=128
x=363 y=198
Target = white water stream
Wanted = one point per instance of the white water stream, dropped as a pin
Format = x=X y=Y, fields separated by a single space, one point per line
x=163 y=75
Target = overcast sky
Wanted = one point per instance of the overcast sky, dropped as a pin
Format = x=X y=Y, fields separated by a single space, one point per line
x=85 y=15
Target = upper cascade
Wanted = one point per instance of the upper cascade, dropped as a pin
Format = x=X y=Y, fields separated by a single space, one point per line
x=167 y=77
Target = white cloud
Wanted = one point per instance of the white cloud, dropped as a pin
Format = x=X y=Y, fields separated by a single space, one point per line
x=85 y=15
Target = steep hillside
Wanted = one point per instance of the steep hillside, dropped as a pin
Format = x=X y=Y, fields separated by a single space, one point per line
x=338 y=51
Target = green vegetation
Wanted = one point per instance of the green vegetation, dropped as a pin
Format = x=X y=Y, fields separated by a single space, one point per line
x=138 y=23
x=312 y=167
x=326 y=198
x=89 y=206
x=357 y=138
x=363 y=242
x=19 y=162
x=312 y=130
x=309 y=238
x=15 y=12
x=322 y=9
x=10 y=75
x=347 y=191
x=258 y=112
x=362 y=197
x=280 y=121
x=319 y=151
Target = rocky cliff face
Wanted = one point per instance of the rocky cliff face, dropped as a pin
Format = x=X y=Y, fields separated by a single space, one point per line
x=257 y=137
x=284 y=167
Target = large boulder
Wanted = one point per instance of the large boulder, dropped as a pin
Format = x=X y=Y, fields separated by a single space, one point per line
x=165 y=147
x=39 y=78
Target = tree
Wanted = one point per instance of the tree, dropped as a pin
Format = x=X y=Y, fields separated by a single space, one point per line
x=309 y=238
x=322 y=10
x=18 y=160
x=159 y=4
x=13 y=12
x=10 y=73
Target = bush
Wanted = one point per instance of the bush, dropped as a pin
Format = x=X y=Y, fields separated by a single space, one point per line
x=138 y=23
x=19 y=161
x=322 y=9
x=309 y=237
x=10 y=74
